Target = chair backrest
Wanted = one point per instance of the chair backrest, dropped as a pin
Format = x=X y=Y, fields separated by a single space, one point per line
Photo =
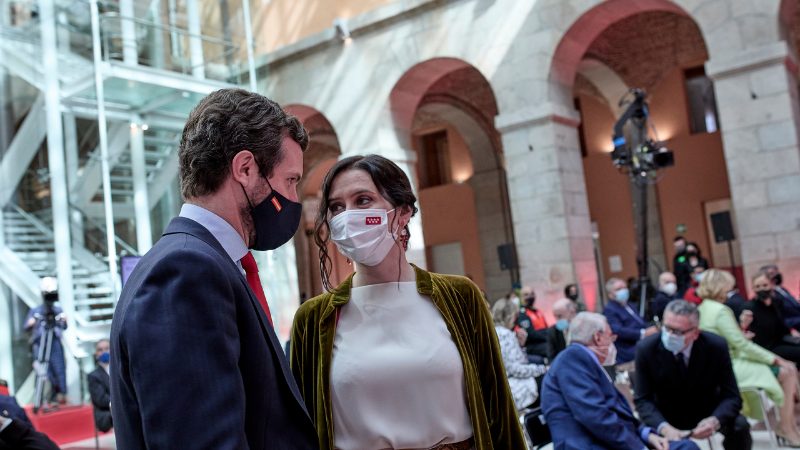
x=536 y=426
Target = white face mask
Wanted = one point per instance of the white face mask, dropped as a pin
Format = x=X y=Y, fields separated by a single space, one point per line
x=611 y=355
x=363 y=235
x=670 y=288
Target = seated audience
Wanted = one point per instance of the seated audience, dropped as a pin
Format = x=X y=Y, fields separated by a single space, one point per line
x=625 y=322
x=535 y=325
x=685 y=381
x=767 y=323
x=571 y=292
x=17 y=434
x=791 y=307
x=685 y=273
x=583 y=409
x=99 y=387
x=667 y=289
x=521 y=375
x=564 y=312
x=735 y=301
x=753 y=365
x=691 y=293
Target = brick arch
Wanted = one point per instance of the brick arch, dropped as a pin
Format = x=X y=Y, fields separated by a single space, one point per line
x=583 y=32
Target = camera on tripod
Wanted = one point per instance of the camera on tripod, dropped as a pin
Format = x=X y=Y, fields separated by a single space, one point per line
x=50 y=296
x=645 y=155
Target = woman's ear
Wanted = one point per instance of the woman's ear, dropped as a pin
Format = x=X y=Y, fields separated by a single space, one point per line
x=405 y=214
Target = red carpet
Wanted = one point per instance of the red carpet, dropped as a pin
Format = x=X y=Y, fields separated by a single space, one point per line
x=66 y=425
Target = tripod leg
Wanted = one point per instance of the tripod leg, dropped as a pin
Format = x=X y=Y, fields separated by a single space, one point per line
x=41 y=371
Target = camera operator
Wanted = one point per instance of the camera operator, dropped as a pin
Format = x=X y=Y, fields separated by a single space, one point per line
x=57 y=372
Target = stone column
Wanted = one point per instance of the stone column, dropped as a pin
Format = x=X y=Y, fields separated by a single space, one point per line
x=757 y=98
x=548 y=199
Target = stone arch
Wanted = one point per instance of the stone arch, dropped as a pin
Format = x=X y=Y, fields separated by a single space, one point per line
x=453 y=92
x=322 y=152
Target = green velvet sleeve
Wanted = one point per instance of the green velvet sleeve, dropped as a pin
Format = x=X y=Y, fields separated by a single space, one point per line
x=744 y=348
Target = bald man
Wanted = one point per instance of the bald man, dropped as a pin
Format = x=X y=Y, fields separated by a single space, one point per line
x=667 y=292
x=564 y=312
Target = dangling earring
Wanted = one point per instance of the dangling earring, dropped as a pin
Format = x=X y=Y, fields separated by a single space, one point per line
x=349 y=263
x=404 y=238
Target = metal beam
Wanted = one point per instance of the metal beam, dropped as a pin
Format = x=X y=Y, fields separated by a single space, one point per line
x=144 y=235
x=195 y=41
x=163 y=78
x=104 y=157
x=19 y=277
x=92 y=178
x=158 y=102
x=164 y=178
x=130 y=53
x=248 y=32
x=58 y=185
x=22 y=150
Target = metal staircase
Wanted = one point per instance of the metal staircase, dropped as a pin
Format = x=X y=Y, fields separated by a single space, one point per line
x=31 y=238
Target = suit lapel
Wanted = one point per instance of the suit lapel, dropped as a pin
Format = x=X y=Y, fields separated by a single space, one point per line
x=668 y=362
x=188 y=226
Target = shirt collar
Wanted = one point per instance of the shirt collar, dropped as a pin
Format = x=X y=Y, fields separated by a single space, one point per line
x=687 y=352
x=228 y=237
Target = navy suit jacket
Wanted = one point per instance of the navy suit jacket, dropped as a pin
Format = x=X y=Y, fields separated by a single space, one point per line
x=583 y=409
x=194 y=361
x=659 y=304
x=791 y=308
x=627 y=327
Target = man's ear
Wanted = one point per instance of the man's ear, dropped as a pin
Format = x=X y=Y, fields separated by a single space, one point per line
x=242 y=167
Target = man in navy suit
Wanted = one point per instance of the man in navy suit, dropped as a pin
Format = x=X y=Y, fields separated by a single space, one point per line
x=667 y=292
x=195 y=362
x=625 y=322
x=791 y=307
x=583 y=409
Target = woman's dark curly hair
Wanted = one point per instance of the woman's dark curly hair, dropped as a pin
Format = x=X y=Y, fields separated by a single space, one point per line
x=392 y=184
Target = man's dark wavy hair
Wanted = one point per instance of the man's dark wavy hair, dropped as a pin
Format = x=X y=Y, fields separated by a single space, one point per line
x=225 y=123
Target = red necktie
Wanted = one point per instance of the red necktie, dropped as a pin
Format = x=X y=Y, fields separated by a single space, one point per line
x=251 y=269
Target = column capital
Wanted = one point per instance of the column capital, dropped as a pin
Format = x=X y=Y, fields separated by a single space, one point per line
x=751 y=59
x=536 y=115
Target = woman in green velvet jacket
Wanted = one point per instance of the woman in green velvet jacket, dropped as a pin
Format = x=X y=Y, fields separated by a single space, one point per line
x=395 y=357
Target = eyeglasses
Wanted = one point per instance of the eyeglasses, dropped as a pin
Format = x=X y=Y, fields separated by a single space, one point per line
x=677 y=332
x=613 y=336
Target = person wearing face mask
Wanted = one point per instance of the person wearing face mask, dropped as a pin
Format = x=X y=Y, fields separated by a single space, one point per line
x=685 y=381
x=625 y=322
x=753 y=365
x=571 y=292
x=763 y=316
x=564 y=312
x=533 y=322
x=196 y=362
x=686 y=271
x=582 y=407
x=522 y=376
x=791 y=306
x=667 y=292
x=99 y=386
x=691 y=294
x=395 y=357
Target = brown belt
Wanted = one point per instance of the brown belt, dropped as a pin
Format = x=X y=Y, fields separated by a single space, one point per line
x=463 y=445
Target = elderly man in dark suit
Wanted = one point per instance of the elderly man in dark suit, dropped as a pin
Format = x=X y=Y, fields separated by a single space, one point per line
x=625 y=322
x=99 y=387
x=563 y=312
x=583 y=409
x=195 y=360
x=685 y=381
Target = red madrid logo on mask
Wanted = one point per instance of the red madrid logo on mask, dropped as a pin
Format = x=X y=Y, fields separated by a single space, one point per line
x=373 y=220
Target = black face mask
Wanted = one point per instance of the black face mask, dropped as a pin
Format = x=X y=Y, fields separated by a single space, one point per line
x=573 y=296
x=529 y=301
x=777 y=279
x=691 y=252
x=276 y=220
x=763 y=295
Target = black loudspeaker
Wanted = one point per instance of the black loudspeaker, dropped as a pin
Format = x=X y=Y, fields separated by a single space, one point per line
x=723 y=227
x=508 y=257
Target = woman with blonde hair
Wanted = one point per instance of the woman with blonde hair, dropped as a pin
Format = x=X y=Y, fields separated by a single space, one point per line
x=753 y=365
x=521 y=374
x=395 y=357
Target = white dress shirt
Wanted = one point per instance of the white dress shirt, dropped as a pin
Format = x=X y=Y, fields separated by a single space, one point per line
x=228 y=237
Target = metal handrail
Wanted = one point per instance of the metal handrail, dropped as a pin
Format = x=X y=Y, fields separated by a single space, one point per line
x=117 y=239
x=112 y=15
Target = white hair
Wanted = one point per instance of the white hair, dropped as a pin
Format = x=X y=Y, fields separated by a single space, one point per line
x=610 y=284
x=584 y=326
